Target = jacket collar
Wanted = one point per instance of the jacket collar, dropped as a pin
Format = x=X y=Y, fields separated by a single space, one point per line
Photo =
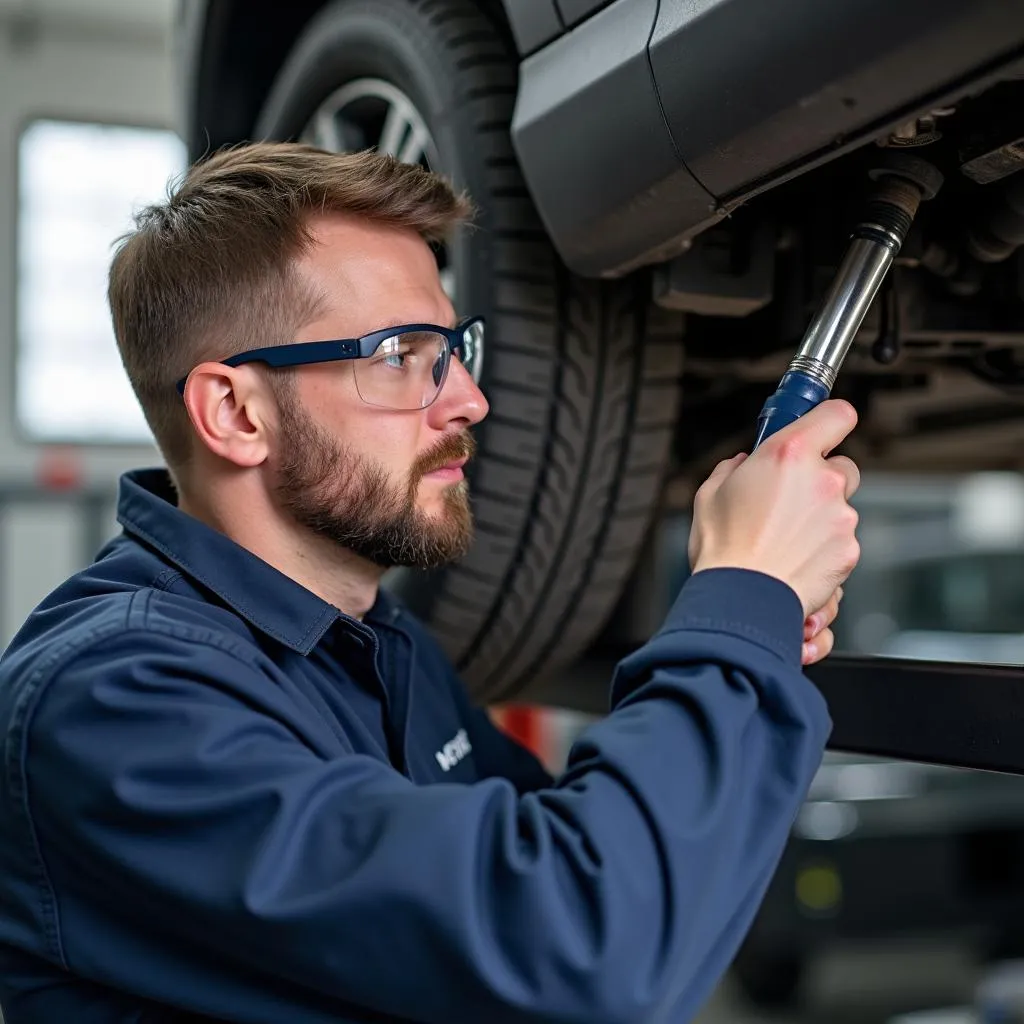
x=265 y=597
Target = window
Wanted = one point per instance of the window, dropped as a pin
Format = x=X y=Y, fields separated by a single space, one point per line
x=78 y=188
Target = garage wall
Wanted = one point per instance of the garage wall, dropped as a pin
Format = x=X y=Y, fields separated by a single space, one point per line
x=98 y=60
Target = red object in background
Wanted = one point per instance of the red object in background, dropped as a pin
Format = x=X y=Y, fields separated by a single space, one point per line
x=59 y=469
x=525 y=724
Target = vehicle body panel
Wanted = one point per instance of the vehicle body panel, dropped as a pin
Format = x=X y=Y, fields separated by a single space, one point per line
x=749 y=94
x=963 y=884
x=948 y=840
x=748 y=88
x=588 y=113
x=533 y=23
x=572 y=11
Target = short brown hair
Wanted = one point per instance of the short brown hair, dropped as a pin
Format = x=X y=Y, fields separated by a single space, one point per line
x=211 y=271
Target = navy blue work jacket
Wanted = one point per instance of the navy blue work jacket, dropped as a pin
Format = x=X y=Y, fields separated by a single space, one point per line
x=224 y=800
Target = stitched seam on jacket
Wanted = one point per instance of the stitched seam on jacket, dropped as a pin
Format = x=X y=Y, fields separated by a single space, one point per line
x=166 y=578
x=741 y=629
x=319 y=624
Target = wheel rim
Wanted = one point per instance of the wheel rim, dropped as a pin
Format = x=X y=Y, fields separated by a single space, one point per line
x=370 y=113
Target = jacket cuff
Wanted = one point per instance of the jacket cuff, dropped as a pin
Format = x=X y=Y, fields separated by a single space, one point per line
x=750 y=604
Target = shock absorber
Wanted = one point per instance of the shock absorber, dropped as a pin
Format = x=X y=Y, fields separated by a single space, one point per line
x=901 y=183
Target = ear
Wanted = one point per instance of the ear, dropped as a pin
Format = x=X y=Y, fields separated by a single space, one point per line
x=230 y=408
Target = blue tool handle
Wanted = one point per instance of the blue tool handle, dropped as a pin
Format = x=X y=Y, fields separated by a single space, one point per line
x=797 y=393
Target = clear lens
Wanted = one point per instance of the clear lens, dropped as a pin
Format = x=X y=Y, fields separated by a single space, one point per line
x=406 y=371
x=473 y=349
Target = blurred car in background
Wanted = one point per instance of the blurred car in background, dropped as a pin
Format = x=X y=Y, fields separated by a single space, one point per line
x=884 y=849
x=961 y=606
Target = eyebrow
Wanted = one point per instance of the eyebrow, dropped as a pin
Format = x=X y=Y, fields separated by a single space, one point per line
x=457 y=319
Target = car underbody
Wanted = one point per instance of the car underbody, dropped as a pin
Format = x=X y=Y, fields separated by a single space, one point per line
x=936 y=371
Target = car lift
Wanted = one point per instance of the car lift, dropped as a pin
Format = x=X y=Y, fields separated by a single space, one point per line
x=937 y=712
x=962 y=715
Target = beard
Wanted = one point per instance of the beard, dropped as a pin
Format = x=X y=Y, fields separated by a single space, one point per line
x=347 y=498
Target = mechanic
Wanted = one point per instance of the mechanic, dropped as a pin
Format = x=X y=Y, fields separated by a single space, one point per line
x=241 y=783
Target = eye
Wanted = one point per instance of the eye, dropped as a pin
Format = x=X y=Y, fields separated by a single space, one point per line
x=396 y=353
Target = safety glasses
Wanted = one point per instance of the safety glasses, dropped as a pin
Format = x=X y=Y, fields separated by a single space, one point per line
x=399 y=368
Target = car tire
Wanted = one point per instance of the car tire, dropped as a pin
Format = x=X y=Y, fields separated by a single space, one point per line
x=583 y=377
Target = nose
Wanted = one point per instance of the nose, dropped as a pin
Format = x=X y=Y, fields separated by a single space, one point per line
x=460 y=399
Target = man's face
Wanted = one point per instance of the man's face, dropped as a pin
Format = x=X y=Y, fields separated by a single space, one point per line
x=386 y=485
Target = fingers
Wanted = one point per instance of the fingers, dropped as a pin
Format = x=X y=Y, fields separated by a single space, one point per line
x=818 y=648
x=825 y=427
x=849 y=470
x=819 y=640
x=824 y=616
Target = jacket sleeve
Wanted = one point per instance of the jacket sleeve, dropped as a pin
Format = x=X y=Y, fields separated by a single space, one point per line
x=203 y=856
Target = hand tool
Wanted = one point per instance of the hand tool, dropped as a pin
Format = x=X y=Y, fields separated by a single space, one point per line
x=902 y=182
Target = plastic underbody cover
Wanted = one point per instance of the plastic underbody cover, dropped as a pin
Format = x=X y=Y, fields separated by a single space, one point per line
x=643 y=124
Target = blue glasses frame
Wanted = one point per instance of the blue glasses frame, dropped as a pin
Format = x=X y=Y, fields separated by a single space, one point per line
x=304 y=352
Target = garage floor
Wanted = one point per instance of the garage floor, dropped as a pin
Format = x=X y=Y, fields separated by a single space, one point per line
x=864 y=988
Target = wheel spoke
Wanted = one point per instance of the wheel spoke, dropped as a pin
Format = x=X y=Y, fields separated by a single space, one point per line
x=325 y=132
x=397 y=124
x=415 y=145
x=368 y=112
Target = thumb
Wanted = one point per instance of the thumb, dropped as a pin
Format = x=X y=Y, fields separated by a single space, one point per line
x=825 y=426
x=719 y=475
x=727 y=467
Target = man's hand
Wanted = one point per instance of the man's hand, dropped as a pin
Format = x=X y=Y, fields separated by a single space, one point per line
x=818 y=638
x=784 y=511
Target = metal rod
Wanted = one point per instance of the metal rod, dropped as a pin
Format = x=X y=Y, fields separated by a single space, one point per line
x=874 y=245
x=831 y=333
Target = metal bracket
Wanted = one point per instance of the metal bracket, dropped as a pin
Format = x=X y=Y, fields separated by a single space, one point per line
x=963 y=715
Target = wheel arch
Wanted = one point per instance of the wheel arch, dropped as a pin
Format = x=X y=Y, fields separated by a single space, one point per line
x=230 y=52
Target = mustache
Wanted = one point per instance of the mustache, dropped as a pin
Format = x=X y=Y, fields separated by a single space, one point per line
x=449 y=449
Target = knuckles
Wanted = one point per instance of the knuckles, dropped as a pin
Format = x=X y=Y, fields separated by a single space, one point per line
x=850 y=556
x=832 y=483
x=790 y=449
x=849 y=517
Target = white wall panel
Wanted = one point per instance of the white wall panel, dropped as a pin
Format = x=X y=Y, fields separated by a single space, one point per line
x=102 y=60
